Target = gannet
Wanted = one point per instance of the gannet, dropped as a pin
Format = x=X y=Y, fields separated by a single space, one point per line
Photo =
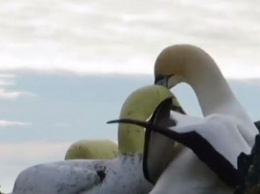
x=190 y=64
x=203 y=137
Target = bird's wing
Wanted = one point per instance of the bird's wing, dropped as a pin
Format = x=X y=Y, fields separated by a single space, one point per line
x=215 y=143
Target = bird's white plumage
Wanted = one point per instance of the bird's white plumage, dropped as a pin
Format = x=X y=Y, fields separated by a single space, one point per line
x=226 y=125
x=192 y=65
x=222 y=132
x=186 y=175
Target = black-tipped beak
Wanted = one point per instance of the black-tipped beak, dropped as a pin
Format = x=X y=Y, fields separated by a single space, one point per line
x=149 y=126
x=128 y=121
x=144 y=124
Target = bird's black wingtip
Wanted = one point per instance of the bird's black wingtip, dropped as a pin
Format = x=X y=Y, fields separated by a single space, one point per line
x=113 y=121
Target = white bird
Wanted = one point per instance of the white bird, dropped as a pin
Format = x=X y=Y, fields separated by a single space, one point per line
x=92 y=149
x=186 y=173
x=202 y=136
x=121 y=175
x=192 y=65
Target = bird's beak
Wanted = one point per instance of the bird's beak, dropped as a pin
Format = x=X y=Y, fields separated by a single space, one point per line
x=162 y=80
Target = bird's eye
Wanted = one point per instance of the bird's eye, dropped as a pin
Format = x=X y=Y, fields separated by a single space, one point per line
x=159 y=78
x=163 y=80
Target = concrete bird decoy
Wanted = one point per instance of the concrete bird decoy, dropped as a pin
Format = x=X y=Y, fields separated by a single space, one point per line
x=121 y=175
x=92 y=149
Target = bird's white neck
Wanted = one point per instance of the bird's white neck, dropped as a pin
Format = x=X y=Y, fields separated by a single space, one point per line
x=212 y=90
x=210 y=86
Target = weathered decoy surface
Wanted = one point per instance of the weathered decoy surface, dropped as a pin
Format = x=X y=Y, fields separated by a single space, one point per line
x=122 y=175
x=249 y=167
x=92 y=149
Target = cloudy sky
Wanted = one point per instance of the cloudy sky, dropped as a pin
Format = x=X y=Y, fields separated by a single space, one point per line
x=110 y=36
x=59 y=60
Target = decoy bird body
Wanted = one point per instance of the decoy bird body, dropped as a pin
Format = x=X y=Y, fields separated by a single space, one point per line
x=121 y=175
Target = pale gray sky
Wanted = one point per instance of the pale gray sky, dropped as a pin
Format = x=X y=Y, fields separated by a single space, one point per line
x=126 y=37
